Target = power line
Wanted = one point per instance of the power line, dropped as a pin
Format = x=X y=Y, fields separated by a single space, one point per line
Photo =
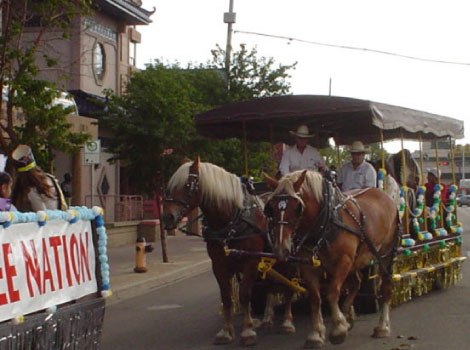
x=354 y=48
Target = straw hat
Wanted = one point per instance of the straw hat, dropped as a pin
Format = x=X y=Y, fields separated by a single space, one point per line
x=302 y=132
x=358 y=147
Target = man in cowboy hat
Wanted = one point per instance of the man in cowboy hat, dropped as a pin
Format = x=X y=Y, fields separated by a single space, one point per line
x=301 y=155
x=357 y=173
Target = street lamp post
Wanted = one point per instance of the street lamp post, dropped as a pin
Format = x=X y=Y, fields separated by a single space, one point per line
x=229 y=18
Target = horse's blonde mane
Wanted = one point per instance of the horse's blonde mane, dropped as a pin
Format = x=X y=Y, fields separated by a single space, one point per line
x=218 y=185
x=312 y=184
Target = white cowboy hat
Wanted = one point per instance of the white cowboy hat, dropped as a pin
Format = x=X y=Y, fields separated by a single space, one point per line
x=302 y=132
x=435 y=172
x=358 y=147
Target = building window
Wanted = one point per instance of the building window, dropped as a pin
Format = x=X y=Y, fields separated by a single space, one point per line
x=132 y=53
x=440 y=145
x=99 y=61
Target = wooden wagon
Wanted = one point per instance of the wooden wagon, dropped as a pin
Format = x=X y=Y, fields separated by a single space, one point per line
x=429 y=255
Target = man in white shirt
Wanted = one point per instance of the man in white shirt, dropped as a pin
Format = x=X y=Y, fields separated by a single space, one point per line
x=301 y=155
x=357 y=173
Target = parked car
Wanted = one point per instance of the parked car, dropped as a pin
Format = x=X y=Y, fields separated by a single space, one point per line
x=463 y=200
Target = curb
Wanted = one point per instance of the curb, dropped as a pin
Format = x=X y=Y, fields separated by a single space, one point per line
x=133 y=289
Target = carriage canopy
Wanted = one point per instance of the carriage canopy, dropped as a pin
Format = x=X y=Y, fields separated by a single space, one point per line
x=344 y=119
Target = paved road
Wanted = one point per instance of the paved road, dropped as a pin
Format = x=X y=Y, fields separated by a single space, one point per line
x=185 y=316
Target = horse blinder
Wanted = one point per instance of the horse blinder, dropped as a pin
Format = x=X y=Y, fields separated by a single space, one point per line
x=190 y=189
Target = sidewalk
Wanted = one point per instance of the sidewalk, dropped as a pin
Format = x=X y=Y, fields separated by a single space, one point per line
x=187 y=258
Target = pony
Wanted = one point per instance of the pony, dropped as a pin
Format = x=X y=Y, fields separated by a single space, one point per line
x=312 y=218
x=234 y=219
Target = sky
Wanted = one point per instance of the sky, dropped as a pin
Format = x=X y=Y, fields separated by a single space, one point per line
x=187 y=30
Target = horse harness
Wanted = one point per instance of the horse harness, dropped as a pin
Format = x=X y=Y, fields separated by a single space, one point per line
x=242 y=220
x=329 y=222
x=241 y=225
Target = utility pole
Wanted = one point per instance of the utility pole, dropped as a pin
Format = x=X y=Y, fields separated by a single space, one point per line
x=463 y=163
x=229 y=18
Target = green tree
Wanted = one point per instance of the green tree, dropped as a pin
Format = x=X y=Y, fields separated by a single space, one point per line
x=152 y=123
x=28 y=114
x=251 y=76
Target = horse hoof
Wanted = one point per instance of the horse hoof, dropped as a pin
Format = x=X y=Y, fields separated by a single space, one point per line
x=351 y=323
x=287 y=330
x=313 y=344
x=337 y=338
x=266 y=326
x=381 y=332
x=223 y=337
x=222 y=340
x=248 y=341
x=256 y=323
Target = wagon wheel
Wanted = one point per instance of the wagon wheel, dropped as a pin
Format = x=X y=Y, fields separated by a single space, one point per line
x=366 y=301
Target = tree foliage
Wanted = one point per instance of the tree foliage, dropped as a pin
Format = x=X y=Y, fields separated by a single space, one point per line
x=152 y=123
x=251 y=76
x=28 y=114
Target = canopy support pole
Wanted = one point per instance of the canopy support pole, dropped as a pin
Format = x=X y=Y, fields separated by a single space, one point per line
x=382 y=149
x=452 y=163
x=403 y=181
x=423 y=181
x=454 y=180
x=439 y=181
x=245 y=149
x=273 y=151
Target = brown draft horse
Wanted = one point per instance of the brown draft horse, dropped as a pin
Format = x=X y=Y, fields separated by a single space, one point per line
x=234 y=219
x=312 y=218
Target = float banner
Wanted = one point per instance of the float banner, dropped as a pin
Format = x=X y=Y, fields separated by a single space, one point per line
x=42 y=266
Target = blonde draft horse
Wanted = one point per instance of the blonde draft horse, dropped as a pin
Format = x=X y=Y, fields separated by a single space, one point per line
x=234 y=218
x=310 y=217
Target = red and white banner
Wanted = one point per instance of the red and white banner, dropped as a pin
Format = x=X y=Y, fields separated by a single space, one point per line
x=44 y=266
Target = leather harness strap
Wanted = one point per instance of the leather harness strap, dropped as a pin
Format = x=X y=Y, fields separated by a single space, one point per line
x=329 y=216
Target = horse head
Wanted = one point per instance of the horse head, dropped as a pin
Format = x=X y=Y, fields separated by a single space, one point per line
x=182 y=194
x=285 y=207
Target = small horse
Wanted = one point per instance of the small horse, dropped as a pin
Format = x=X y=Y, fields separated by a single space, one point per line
x=312 y=218
x=234 y=219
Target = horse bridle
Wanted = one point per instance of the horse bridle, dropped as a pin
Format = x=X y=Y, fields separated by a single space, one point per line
x=321 y=224
x=191 y=188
